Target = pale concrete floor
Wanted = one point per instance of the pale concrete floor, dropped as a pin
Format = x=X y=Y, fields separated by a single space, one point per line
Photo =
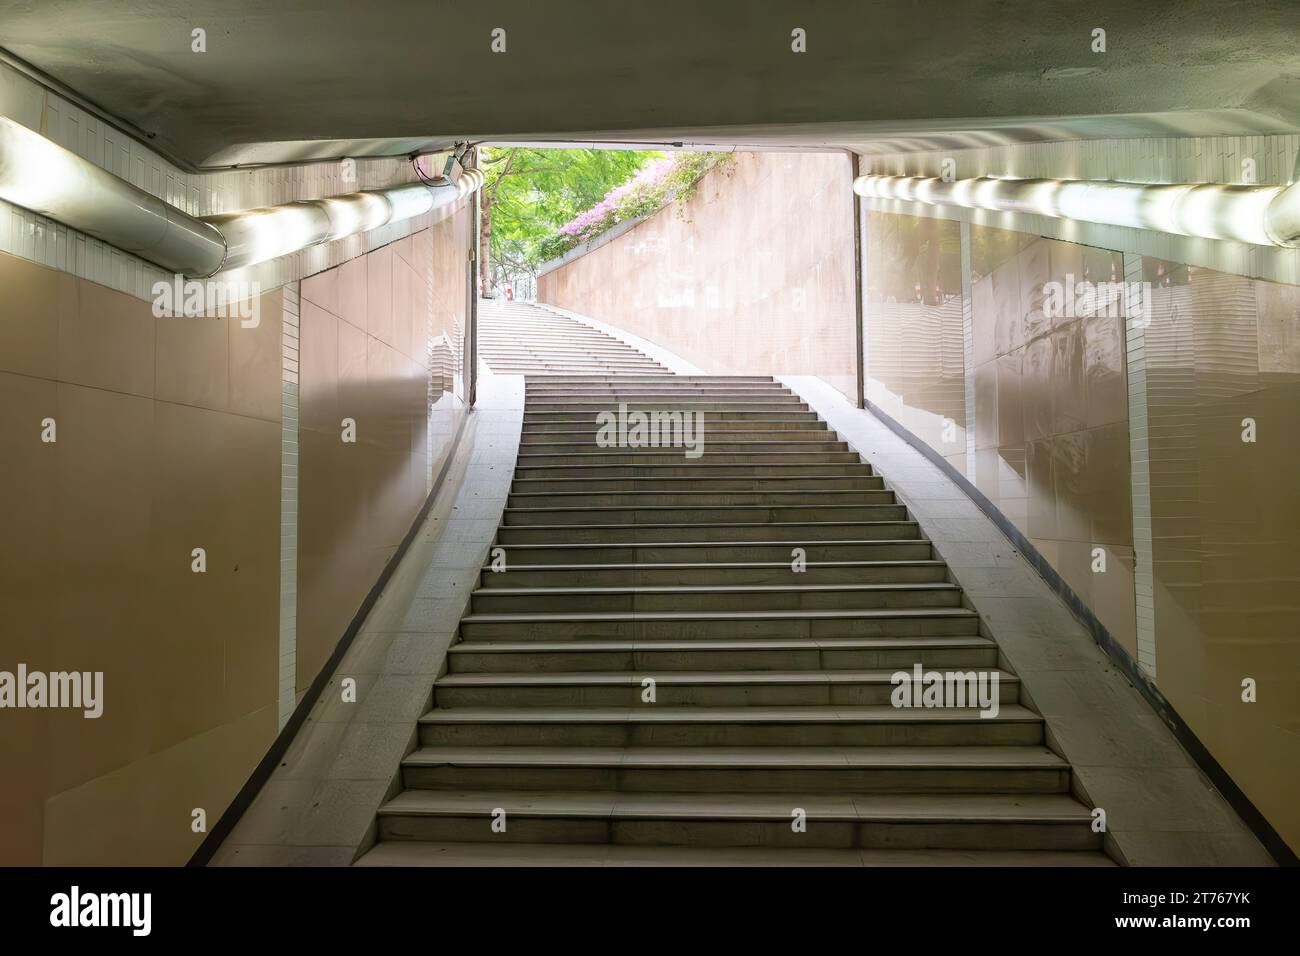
x=1161 y=809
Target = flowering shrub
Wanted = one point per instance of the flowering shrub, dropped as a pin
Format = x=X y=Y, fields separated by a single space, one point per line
x=654 y=186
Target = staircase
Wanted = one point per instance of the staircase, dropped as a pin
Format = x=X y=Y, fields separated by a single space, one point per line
x=516 y=338
x=771 y=686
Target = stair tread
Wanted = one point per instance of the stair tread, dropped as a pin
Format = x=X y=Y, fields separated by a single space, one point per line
x=724 y=757
x=414 y=853
x=744 y=714
x=894 y=807
x=727 y=588
x=721 y=565
x=822 y=613
x=773 y=644
x=668 y=678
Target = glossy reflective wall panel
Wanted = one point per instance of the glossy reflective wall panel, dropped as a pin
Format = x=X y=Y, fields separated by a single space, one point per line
x=913 y=304
x=1051 y=409
x=1223 y=351
x=1037 y=400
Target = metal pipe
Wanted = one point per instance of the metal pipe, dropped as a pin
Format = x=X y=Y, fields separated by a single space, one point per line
x=1261 y=215
x=49 y=180
x=256 y=235
x=42 y=176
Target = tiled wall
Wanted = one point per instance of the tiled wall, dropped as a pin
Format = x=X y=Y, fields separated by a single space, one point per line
x=1052 y=429
x=180 y=433
x=167 y=439
x=1047 y=440
x=1051 y=412
x=368 y=348
x=1225 y=518
x=753 y=275
x=916 y=356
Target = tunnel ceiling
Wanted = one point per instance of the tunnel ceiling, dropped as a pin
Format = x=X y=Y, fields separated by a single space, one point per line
x=290 y=81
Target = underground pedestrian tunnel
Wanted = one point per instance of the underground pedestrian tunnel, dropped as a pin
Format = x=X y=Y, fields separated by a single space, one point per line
x=913 y=483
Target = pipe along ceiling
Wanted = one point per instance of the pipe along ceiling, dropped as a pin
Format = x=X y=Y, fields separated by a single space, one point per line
x=51 y=181
x=1261 y=215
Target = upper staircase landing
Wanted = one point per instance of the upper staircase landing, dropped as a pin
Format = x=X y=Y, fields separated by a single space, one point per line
x=516 y=338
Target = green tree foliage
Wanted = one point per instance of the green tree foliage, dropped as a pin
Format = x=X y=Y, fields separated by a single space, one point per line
x=529 y=193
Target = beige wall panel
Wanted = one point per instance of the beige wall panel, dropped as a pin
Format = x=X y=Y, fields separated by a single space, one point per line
x=32 y=309
x=107 y=341
x=364 y=344
x=141 y=814
x=99 y=529
x=1226 y=521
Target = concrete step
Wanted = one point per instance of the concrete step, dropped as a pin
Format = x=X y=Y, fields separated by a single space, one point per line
x=579 y=418
x=678 y=456
x=705 y=689
x=723 y=654
x=692 y=468
x=708 y=443
x=772 y=550
x=712 y=625
x=883 y=821
x=1014 y=725
x=411 y=853
x=712 y=514
x=684 y=379
x=713 y=597
x=639 y=500
x=686 y=573
x=720 y=432
x=650 y=400
x=704 y=405
x=731 y=531
x=694 y=485
x=739 y=769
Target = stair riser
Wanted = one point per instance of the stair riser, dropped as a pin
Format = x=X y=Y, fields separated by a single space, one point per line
x=702 y=832
x=737 y=780
x=979 y=733
x=721 y=514
x=747 y=401
x=720 y=409
x=723 y=629
x=739 y=660
x=742 y=427
x=586 y=437
x=707 y=575
x=610 y=398
x=883 y=530
x=676 y=456
x=488 y=602
x=678 y=486
x=706 y=438
x=569 y=418
x=875 y=550
x=701 y=499
x=683 y=468
x=682 y=379
x=684 y=695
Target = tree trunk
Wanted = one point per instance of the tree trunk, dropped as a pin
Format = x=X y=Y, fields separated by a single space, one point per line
x=485 y=246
